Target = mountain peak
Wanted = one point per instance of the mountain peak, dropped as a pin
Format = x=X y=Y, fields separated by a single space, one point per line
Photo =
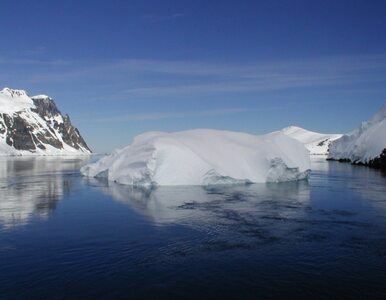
x=293 y=128
x=45 y=106
x=14 y=93
x=41 y=97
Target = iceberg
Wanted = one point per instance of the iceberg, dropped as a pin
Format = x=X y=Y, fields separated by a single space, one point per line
x=204 y=157
x=365 y=145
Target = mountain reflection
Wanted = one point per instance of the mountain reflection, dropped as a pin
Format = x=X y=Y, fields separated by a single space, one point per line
x=242 y=209
x=33 y=186
x=368 y=183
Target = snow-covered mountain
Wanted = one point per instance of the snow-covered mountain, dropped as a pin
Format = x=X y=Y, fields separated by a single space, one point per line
x=364 y=145
x=35 y=126
x=316 y=143
x=204 y=157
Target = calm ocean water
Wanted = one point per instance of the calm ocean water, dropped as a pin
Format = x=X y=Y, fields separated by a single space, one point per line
x=63 y=236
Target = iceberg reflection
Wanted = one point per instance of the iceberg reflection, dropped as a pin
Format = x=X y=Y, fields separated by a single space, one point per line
x=33 y=186
x=245 y=209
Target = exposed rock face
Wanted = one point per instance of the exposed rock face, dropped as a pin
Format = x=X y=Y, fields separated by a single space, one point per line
x=48 y=110
x=71 y=135
x=18 y=134
x=45 y=106
x=35 y=125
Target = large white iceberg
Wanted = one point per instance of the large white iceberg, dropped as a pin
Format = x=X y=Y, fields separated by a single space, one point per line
x=204 y=157
x=364 y=144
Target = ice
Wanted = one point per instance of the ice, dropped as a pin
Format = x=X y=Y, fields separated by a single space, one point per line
x=364 y=143
x=204 y=157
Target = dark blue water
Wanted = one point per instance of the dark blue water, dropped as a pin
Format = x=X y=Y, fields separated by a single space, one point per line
x=66 y=237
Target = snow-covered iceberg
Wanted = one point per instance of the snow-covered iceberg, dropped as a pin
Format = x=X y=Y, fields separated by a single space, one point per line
x=317 y=143
x=204 y=157
x=364 y=145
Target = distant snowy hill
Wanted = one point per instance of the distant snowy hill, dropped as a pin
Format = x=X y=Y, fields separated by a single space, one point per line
x=316 y=143
x=365 y=145
x=35 y=126
x=204 y=157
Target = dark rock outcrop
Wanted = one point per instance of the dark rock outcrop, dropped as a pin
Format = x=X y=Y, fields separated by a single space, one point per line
x=379 y=162
x=18 y=133
x=376 y=163
x=71 y=135
x=45 y=107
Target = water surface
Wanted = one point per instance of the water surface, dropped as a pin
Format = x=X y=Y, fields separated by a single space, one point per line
x=63 y=236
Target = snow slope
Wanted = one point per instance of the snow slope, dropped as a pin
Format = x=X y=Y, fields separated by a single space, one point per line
x=204 y=157
x=364 y=143
x=12 y=101
x=316 y=143
x=34 y=126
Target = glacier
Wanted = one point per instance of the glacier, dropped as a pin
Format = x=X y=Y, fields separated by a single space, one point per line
x=364 y=145
x=204 y=157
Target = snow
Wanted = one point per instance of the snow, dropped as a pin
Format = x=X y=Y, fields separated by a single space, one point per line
x=316 y=143
x=41 y=97
x=12 y=101
x=364 y=143
x=204 y=157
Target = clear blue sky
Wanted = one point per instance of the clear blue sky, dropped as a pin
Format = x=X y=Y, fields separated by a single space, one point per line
x=120 y=68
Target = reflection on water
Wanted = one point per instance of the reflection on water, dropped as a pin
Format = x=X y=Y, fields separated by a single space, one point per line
x=198 y=205
x=369 y=184
x=337 y=196
x=33 y=186
x=242 y=214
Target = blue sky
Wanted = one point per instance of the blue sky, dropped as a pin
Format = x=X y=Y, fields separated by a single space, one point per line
x=120 y=68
